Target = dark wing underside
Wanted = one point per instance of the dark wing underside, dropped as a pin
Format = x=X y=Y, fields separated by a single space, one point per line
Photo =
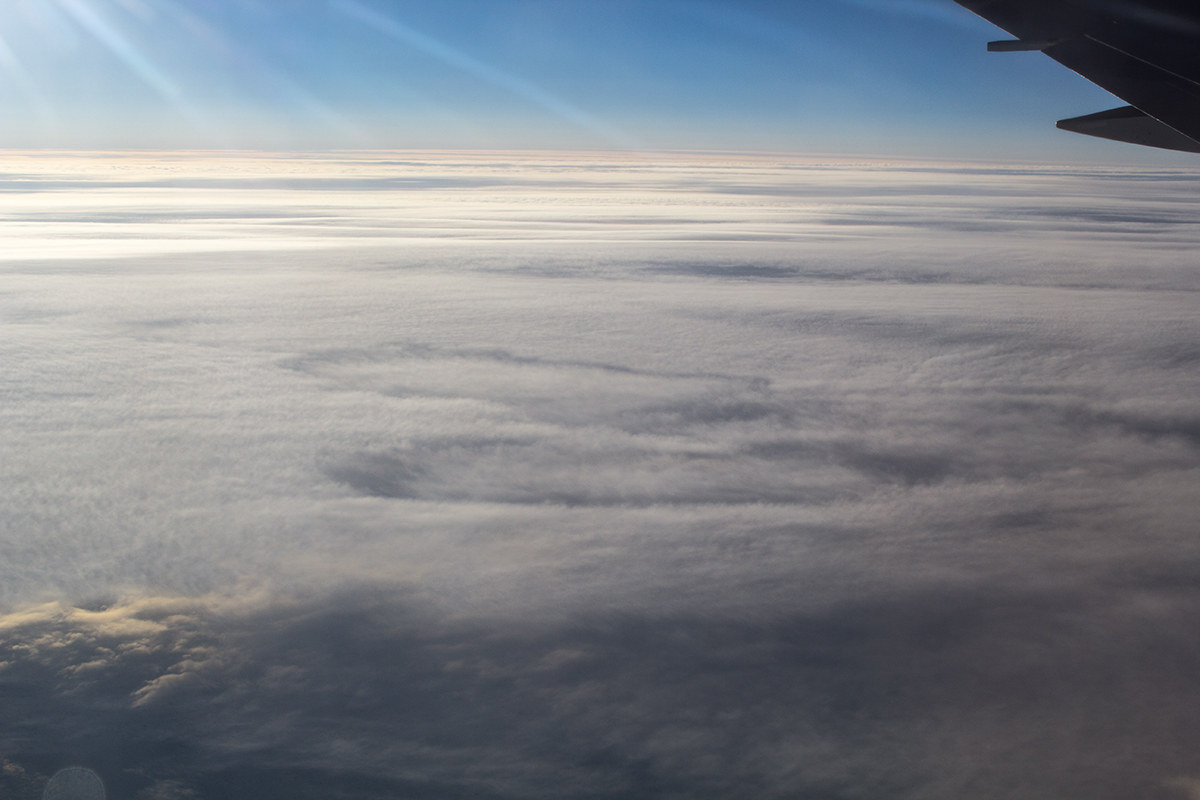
x=1147 y=53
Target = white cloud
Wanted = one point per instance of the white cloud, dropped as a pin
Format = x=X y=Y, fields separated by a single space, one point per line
x=538 y=396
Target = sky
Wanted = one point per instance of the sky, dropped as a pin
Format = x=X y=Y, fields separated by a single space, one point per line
x=892 y=77
x=586 y=401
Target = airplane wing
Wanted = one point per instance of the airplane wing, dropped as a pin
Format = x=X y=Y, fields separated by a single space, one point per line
x=1146 y=52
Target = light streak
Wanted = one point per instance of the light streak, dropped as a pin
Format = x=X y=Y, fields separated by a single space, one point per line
x=141 y=66
x=118 y=46
x=449 y=55
x=12 y=65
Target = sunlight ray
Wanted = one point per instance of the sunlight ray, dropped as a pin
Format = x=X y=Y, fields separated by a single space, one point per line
x=258 y=69
x=82 y=12
x=20 y=77
x=455 y=58
x=107 y=35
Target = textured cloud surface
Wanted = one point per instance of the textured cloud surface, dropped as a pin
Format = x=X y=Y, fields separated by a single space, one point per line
x=500 y=475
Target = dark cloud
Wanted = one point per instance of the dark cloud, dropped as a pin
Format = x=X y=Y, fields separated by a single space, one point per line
x=380 y=475
x=19 y=783
x=736 y=270
x=978 y=691
x=1185 y=427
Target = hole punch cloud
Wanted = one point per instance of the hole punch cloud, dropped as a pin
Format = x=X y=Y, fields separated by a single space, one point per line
x=584 y=476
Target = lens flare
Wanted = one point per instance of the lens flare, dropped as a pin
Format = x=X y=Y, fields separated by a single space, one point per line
x=75 y=783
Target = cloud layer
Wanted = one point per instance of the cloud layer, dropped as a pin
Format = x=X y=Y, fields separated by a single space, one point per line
x=516 y=476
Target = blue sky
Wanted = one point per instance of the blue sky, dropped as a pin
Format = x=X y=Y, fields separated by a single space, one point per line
x=908 y=77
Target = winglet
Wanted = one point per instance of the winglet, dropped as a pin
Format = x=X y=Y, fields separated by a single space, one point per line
x=1128 y=124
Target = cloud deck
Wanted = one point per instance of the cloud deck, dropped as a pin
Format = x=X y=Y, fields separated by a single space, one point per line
x=513 y=476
